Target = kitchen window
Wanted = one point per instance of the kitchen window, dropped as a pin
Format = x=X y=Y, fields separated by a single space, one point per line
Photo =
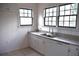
x=68 y=15
x=50 y=17
x=25 y=16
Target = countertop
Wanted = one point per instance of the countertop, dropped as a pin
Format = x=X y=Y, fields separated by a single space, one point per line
x=58 y=38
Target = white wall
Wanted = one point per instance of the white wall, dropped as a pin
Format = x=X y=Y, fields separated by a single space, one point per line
x=13 y=36
x=41 y=26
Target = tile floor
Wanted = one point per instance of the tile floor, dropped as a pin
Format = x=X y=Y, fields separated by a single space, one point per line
x=23 y=52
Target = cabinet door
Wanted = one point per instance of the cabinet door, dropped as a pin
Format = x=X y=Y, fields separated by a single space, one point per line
x=37 y=43
x=56 y=48
x=30 y=41
x=41 y=43
x=74 y=50
x=34 y=42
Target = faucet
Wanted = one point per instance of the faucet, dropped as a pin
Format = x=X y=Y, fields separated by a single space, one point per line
x=50 y=31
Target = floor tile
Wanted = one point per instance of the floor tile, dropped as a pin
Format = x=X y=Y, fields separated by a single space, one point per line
x=23 y=52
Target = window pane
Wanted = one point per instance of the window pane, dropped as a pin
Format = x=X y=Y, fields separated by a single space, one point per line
x=61 y=12
x=51 y=14
x=60 y=23
x=29 y=20
x=25 y=15
x=54 y=23
x=74 y=11
x=51 y=10
x=21 y=10
x=50 y=19
x=26 y=21
x=60 y=19
x=54 y=9
x=47 y=11
x=23 y=21
x=49 y=23
x=74 y=6
x=29 y=11
x=67 y=7
x=67 y=12
x=61 y=8
x=66 y=23
x=47 y=14
x=72 y=24
x=29 y=15
x=54 y=18
x=21 y=14
x=54 y=14
x=66 y=18
x=25 y=11
x=72 y=18
x=46 y=23
x=46 y=19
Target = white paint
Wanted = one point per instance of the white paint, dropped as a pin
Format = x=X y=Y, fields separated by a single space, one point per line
x=13 y=37
x=41 y=26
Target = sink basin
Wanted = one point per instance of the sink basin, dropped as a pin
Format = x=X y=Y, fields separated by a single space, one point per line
x=48 y=34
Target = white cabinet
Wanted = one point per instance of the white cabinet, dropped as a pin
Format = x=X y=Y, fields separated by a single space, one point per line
x=56 y=48
x=73 y=50
x=33 y=42
x=37 y=43
x=41 y=46
x=52 y=48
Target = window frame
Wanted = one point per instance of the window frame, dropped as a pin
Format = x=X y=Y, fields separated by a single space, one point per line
x=25 y=17
x=49 y=16
x=67 y=15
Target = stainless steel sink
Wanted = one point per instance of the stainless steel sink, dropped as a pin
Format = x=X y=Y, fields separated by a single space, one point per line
x=48 y=34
